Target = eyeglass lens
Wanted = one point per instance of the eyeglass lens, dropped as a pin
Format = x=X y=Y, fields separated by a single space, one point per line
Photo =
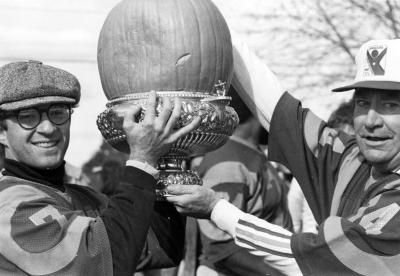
x=31 y=117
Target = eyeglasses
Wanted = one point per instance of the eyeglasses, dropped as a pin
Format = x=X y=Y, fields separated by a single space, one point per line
x=30 y=118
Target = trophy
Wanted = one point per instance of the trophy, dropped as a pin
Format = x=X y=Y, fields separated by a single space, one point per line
x=178 y=48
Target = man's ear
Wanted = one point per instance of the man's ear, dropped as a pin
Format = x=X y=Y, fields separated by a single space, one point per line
x=3 y=134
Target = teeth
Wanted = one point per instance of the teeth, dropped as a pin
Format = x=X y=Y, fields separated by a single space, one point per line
x=45 y=144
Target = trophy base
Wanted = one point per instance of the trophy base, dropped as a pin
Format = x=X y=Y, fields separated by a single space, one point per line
x=175 y=177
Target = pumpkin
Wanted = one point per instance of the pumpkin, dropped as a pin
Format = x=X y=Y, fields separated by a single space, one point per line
x=164 y=45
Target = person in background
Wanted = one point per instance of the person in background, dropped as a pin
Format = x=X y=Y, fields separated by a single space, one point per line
x=52 y=227
x=240 y=173
x=75 y=175
x=106 y=177
x=351 y=182
x=93 y=168
x=300 y=212
x=342 y=118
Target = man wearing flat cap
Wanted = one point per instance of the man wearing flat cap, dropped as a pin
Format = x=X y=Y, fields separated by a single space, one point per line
x=49 y=227
x=352 y=183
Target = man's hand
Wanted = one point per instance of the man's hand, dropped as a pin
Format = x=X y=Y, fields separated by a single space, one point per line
x=193 y=200
x=151 y=138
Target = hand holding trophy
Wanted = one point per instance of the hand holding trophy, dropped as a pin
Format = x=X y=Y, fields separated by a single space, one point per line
x=179 y=49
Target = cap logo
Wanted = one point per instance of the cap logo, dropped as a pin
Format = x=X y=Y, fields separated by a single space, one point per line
x=376 y=56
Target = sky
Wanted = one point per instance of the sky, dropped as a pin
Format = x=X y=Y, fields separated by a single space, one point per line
x=64 y=33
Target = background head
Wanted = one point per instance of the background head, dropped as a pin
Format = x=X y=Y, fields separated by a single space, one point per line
x=240 y=107
x=342 y=117
x=27 y=86
x=248 y=124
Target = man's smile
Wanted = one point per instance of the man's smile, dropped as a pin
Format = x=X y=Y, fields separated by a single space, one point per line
x=46 y=144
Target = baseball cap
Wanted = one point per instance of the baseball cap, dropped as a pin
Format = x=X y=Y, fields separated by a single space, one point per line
x=29 y=83
x=378 y=66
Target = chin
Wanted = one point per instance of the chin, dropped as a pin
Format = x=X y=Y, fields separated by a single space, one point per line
x=374 y=156
x=49 y=164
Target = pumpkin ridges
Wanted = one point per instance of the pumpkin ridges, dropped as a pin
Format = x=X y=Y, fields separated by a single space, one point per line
x=227 y=61
x=140 y=55
x=213 y=77
x=207 y=68
x=219 y=56
x=180 y=80
x=222 y=60
x=167 y=52
x=160 y=49
x=129 y=66
x=204 y=72
x=126 y=67
x=197 y=57
x=181 y=70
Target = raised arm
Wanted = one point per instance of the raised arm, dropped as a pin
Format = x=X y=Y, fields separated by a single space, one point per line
x=148 y=140
x=256 y=84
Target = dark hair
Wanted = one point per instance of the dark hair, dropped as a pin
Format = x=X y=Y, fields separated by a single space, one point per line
x=342 y=115
x=240 y=107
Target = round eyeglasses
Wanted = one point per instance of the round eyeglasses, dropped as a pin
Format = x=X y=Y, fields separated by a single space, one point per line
x=30 y=118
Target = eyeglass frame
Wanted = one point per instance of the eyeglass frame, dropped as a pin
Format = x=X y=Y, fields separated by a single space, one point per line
x=16 y=114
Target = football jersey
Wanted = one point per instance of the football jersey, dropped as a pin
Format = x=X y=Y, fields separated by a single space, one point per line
x=46 y=232
x=359 y=231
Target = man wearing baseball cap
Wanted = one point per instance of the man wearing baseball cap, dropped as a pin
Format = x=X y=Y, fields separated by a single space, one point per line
x=352 y=184
x=49 y=227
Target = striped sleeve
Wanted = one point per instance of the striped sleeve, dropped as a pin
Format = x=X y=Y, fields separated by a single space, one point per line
x=260 y=237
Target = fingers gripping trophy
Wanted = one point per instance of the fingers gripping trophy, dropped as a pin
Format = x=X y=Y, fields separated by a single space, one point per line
x=180 y=49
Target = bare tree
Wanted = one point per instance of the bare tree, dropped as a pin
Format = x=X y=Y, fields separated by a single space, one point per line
x=312 y=43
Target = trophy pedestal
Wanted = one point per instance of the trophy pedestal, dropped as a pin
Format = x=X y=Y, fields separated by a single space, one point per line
x=173 y=173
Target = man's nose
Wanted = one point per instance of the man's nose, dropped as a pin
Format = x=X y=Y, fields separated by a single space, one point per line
x=45 y=126
x=373 y=119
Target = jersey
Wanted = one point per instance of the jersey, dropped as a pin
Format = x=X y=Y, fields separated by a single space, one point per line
x=240 y=172
x=359 y=218
x=45 y=231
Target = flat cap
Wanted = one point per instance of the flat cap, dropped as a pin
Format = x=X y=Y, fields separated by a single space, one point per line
x=29 y=83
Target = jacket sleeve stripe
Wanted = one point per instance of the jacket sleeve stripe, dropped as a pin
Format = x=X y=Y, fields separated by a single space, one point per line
x=262 y=229
x=270 y=237
x=260 y=250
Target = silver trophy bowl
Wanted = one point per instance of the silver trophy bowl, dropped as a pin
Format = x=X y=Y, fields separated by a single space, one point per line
x=219 y=120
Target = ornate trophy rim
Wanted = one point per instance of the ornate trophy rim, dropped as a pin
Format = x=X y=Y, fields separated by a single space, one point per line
x=219 y=93
x=218 y=123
